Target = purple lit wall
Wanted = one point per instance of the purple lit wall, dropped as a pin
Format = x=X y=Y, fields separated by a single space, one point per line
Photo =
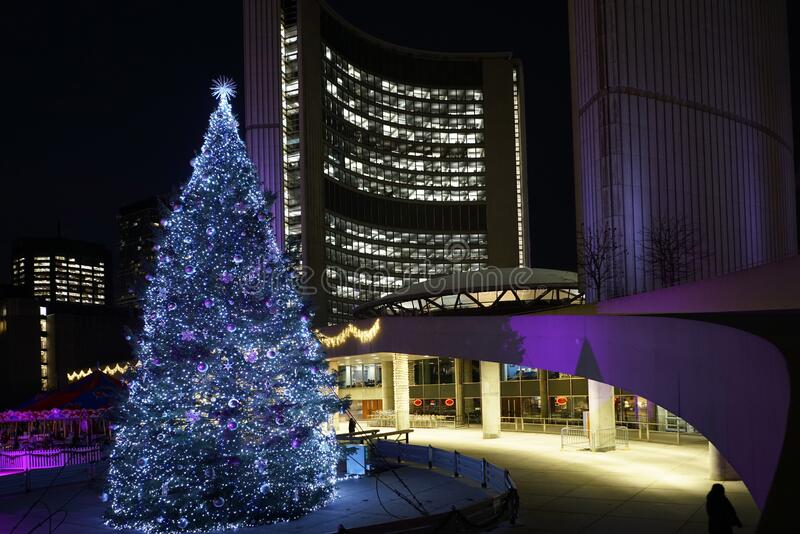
x=262 y=97
x=681 y=111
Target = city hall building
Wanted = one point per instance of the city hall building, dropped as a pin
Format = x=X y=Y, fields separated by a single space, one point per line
x=390 y=166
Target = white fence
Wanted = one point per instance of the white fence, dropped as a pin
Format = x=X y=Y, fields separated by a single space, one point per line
x=22 y=461
x=573 y=437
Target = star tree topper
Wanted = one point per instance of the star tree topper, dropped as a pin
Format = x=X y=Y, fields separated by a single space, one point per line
x=223 y=88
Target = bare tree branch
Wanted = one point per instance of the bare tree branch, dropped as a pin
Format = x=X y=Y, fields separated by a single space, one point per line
x=670 y=248
x=597 y=253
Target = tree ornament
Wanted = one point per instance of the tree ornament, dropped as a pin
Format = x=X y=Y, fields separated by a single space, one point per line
x=183 y=522
x=210 y=231
x=237 y=259
x=189 y=269
x=202 y=367
x=232 y=424
x=219 y=502
x=230 y=327
x=226 y=277
x=208 y=303
x=187 y=335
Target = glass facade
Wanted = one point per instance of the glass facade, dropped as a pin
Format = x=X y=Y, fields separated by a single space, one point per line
x=290 y=130
x=402 y=142
x=359 y=376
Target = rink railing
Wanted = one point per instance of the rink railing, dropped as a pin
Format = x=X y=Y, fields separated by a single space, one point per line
x=480 y=515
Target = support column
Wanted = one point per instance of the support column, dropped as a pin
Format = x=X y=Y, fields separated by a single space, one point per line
x=601 y=416
x=458 y=371
x=718 y=466
x=400 y=376
x=490 y=399
x=333 y=419
x=544 y=393
x=387 y=385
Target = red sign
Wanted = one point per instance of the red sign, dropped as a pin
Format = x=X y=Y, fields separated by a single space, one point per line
x=417 y=402
x=561 y=400
x=449 y=402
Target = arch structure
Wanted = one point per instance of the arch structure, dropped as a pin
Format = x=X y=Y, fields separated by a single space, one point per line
x=698 y=370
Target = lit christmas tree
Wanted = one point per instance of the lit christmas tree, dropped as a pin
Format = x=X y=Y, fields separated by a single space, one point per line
x=223 y=424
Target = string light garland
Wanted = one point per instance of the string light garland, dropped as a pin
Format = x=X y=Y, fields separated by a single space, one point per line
x=363 y=336
x=116 y=370
x=224 y=424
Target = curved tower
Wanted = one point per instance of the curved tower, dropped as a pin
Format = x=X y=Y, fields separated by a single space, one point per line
x=390 y=165
x=683 y=136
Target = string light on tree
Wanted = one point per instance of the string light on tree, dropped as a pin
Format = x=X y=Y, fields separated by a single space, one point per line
x=223 y=424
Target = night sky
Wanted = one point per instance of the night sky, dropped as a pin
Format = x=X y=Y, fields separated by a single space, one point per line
x=105 y=103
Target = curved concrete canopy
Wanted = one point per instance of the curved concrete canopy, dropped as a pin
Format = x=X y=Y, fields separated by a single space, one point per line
x=699 y=371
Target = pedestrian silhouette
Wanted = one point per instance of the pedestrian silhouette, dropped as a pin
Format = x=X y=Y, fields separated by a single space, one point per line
x=351 y=425
x=721 y=514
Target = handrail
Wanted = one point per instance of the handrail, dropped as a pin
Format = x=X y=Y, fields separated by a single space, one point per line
x=482 y=514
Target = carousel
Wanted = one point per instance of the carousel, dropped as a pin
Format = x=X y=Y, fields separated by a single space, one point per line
x=72 y=416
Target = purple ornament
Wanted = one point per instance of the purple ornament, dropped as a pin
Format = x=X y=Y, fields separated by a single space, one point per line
x=177 y=207
x=208 y=303
x=262 y=216
x=192 y=416
x=219 y=502
x=210 y=231
x=295 y=443
x=148 y=277
x=226 y=277
x=171 y=306
x=230 y=327
x=163 y=222
x=202 y=367
x=187 y=335
x=271 y=354
x=279 y=419
x=189 y=269
x=304 y=318
x=251 y=356
x=237 y=259
x=232 y=424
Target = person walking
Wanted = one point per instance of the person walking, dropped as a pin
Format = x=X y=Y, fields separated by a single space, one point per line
x=351 y=425
x=721 y=514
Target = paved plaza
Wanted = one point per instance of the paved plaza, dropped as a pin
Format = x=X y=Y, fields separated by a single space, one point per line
x=650 y=488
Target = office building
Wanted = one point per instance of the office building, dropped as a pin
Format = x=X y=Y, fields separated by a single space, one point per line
x=683 y=136
x=137 y=225
x=390 y=166
x=59 y=272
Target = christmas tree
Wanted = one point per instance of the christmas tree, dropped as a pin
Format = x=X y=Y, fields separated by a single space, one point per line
x=223 y=423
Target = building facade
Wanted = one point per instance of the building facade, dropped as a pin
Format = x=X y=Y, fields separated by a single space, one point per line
x=137 y=225
x=682 y=137
x=58 y=271
x=389 y=165
x=25 y=365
